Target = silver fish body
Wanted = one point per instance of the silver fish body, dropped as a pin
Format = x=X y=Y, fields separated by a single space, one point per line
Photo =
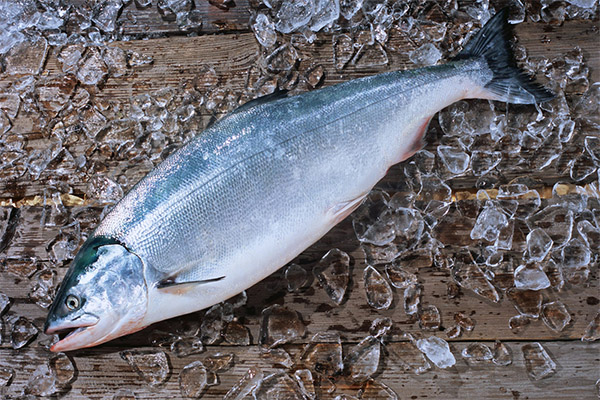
x=261 y=185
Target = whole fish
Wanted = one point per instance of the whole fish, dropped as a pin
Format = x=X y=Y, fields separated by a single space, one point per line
x=258 y=187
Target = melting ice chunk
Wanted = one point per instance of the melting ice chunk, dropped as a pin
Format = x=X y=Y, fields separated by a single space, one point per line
x=437 y=350
x=280 y=325
x=555 y=315
x=151 y=365
x=592 y=332
x=193 y=379
x=502 y=354
x=477 y=353
x=362 y=361
x=323 y=354
x=538 y=363
x=378 y=290
x=538 y=245
x=333 y=273
x=23 y=332
x=245 y=385
x=530 y=277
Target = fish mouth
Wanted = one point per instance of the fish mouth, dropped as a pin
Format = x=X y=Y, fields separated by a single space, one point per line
x=73 y=334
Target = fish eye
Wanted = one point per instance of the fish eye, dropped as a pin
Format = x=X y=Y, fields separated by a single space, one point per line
x=72 y=302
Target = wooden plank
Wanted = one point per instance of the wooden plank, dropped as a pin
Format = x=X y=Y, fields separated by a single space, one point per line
x=102 y=372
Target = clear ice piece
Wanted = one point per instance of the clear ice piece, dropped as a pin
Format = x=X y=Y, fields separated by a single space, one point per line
x=592 y=331
x=502 y=354
x=4 y=303
x=124 y=394
x=380 y=327
x=454 y=332
x=470 y=276
x=44 y=284
x=151 y=365
x=538 y=363
x=518 y=323
x=6 y=376
x=555 y=315
x=456 y=160
x=527 y=302
x=348 y=8
x=343 y=50
x=106 y=13
x=93 y=70
x=293 y=15
x=378 y=291
x=376 y=390
x=412 y=299
x=315 y=75
x=278 y=386
x=530 y=277
x=187 y=346
x=590 y=234
x=296 y=277
x=477 y=353
x=280 y=325
x=333 y=273
x=373 y=221
x=483 y=161
x=245 y=386
x=370 y=56
x=23 y=332
x=193 y=380
x=323 y=354
x=277 y=356
x=430 y=318
x=27 y=57
x=362 y=360
x=556 y=221
x=325 y=13
x=464 y=321
x=575 y=260
x=237 y=334
x=42 y=382
x=437 y=351
x=63 y=369
x=264 y=30
x=489 y=223
x=427 y=54
x=399 y=277
x=538 y=245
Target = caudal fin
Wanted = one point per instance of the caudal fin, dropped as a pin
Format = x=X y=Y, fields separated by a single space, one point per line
x=510 y=83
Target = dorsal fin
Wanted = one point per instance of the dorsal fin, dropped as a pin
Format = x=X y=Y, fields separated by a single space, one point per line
x=276 y=95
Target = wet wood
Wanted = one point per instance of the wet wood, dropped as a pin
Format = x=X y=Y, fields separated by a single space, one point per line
x=30 y=231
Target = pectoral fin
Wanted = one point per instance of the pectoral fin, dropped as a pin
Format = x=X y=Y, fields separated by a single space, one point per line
x=342 y=210
x=180 y=288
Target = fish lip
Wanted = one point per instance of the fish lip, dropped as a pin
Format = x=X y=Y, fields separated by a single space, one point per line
x=53 y=327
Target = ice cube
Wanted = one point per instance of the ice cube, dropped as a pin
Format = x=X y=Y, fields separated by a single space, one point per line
x=518 y=323
x=277 y=356
x=325 y=12
x=348 y=8
x=477 y=353
x=575 y=260
x=502 y=354
x=293 y=15
x=26 y=57
x=592 y=331
x=237 y=334
x=412 y=299
x=489 y=223
x=4 y=303
x=378 y=291
x=398 y=276
x=454 y=332
x=527 y=302
x=44 y=284
x=370 y=56
x=430 y=318
x=306 y=382
x=380 y=327
x=280 y=325
x=281 y=59
x=343 y=50
x=106 y=14
x=193 y=379
x=314 y=75
x=470 y=276
x=425 y=55
x=437 y=351
x=116 y=60
x=93 y=70
x=408 y=357
x=323 y=354
x=42 y=382
x=555 y=315
x=373 y=221
x=538 y=363
x=556 y=221
x=483 y=161
x=278 y=386
x=333 y=273
x=264 y=30
x=187 y=346
x=124 y=394
x=6 y=376
x=54 y=93
x=151 y=365
x=376 y=390
x=9 y=104
x=530 y=277
x=538 y=245
x=362 y=360
x=104 y=190
x=296 y=277
x=245 y=385
x=464 y=321
x=63 y=369
x=23 y=332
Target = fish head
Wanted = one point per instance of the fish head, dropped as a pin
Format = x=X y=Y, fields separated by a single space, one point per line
x=103 y=296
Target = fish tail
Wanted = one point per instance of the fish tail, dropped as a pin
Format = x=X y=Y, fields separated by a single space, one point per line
x=509 y=82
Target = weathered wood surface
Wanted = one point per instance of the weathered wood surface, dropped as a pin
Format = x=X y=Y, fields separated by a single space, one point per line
x=178 y=60
x=575 y=377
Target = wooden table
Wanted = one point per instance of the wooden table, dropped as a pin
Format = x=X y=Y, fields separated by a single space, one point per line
x=33 y=224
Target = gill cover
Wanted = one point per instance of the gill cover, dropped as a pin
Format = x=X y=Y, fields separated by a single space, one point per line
x=103 y=296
